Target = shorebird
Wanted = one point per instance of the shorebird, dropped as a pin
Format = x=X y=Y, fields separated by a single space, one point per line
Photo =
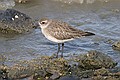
x=60 y=32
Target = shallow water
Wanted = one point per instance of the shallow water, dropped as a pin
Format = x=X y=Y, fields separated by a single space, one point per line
x=101 y=18
x=4 y=4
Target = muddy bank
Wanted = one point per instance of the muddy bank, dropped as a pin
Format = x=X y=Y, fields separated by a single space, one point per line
x=14 y=21
x=90 y=65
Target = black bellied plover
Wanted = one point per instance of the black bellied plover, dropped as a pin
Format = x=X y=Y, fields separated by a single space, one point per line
x=60 y=32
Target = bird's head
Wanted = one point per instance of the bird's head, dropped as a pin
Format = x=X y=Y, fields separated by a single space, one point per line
x=44 y=22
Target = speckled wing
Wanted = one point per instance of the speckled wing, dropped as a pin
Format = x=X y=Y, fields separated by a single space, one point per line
x=63 y=31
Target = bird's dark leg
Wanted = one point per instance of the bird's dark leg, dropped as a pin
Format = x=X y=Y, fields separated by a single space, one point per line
x=58 y=50
x=62 y=49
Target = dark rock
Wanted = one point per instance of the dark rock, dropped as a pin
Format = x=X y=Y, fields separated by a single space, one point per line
x=102 y=72
x=83 y=67
x=70 y=77
x=116 y=45
x=14 y=21
x=95 y=60
x=81 y=73
x=106 y=74
x=104 y=78
x=3 y=73
x=2 y=59
x=40 y=68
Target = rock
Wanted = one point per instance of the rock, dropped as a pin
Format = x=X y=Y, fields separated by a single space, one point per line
x=14 y=21
x=104 y=78
x=50 y=68
x=95 y=60
x=41 y=68
x=116 y=45
x=2 y=59
x=101 y=72
x=106 y=74
x=3 y=72
x=22 y=1
x=69 y=77
x=81 y=73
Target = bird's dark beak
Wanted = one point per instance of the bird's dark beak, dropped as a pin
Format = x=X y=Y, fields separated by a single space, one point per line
x=36 y=24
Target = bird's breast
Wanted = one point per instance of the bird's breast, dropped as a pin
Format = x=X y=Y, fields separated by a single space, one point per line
x=52 y=38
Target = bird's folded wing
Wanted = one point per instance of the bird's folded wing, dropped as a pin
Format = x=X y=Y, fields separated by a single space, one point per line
x=63 y=32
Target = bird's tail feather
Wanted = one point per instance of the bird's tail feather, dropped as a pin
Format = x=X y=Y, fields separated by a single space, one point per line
x=88 y=34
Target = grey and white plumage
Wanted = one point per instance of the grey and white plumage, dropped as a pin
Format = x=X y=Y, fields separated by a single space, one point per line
x=60 y=32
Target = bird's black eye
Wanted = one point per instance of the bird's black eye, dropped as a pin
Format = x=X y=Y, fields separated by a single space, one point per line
x=42 y=22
